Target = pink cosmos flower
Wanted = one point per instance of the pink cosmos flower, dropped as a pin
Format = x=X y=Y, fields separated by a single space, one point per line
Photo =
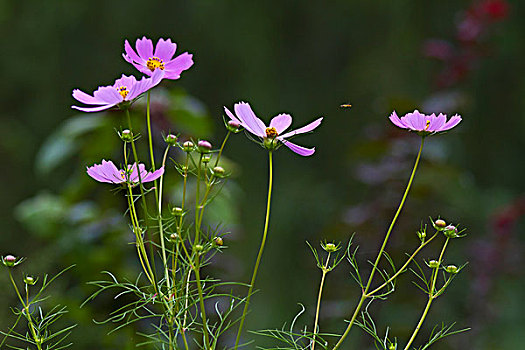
x=108 y=172
x=125 y=89
x=147 y=61
x=247 y=119
x=425 y=124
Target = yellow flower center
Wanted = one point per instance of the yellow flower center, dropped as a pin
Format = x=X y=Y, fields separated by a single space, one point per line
x=428 y=124
x=271 y=132
x=123 y=174
x=123 y=91
x=154 y=63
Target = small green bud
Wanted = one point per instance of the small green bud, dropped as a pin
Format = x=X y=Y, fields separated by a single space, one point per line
x=330 y=247
x=440 y=223
x=206 y=158
x=233 y=126
x=392 y=346
x=204 y=146
x=188 y=146
x=171 y=139
x=126 y=135
x=270 y=143
x=433 y=264
x=174 y=237
x=177 y=211
x=422 y=235
x=9 y=260
x=450 y=231
x=198 y=248
x=218 y=171
x=218 y=241
x=453 y=269
x=29 y=280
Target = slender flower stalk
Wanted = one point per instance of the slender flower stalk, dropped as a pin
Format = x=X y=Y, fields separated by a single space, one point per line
x=261 y=249
x=433 y=294
x=365 y=295
x=319 y=296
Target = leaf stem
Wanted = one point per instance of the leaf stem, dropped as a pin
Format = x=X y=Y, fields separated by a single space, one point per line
x=325 y=271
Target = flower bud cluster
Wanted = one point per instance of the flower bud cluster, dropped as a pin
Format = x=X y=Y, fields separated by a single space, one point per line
x=450 y=231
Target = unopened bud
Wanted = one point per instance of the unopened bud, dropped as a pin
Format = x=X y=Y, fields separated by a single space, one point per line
x=174 y=237
x=219 y=241
x=29 y=280
x=218 y=171
x=204 y=146
x=451 y=269
x=188 y=146
x=330 y=247
x=440 y=223
x=450 y=231
x=177 y=211
x=233 y=126
x=433 y=264
x=206 y=158
x=270 y=144
x=171 y=139
x=9 y=260
x=422 y=235
x=126 y=135
x=198 y=248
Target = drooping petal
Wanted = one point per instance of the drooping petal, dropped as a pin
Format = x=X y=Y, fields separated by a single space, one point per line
x=455 y=120
x=165 y=49
x=304 y=129
x=94 y=173
x=130 y=55
x=396 y=121
x=144 y=48
x=93 y=109
x=154 y=175
x=179 y=64
x=85 y=98
x=245 y=114
x=302 y=151
x=281 y=122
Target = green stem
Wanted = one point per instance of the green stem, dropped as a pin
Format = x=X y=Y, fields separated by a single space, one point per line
x=431 y=297
x=222 y=147
x=325 y=271
x=261 y=249
x=381 y=251
x=161 y=230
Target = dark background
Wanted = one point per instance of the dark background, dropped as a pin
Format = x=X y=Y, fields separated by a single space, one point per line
x=305 y=58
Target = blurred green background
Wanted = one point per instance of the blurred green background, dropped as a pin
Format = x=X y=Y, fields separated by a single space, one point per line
x=305 y=58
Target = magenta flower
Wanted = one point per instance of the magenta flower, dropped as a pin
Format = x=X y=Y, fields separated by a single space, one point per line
x=425 y=124
x=247 y=119
x=108 y=172
x=125 y=89
x=147 y=61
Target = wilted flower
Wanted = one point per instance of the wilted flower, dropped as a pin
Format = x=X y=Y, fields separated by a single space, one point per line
x=245 y=116
x=148 y=62
x=108 y=172
x=125 y=89
x=425 y=124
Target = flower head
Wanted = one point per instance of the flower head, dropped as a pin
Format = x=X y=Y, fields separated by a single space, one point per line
x=148 y=61
x=425 y=124
x=247 y=119
x=108 y=172
x=125 y=89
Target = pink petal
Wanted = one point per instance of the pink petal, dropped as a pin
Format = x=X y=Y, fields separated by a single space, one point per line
x=179 y=64
x=245 y=114
x=233 y=117
x=437 y=122
x=302 y=151
x=281 y=122
x=131 y=55
x=145 y=84
x=397 y=122
x=455 y=120
x=304 y=129
x=85 y=98
x=126 y=81
x=144 y=48
x=154 y=175
x=93 y=172
x=93 y=109
x=165 y=49
x=108 y=94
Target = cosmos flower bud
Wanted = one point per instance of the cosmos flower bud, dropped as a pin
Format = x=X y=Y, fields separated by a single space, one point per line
x=433 y=264
x=9 y=261
x=270 y=144
x=392 y=346
x=126 y=135
x=206 y=158
x=450 y=231
x=29 y=280
x=330 y=247
x=218 y=241
x=440 y=223
x=199 y=248
x=188 y=146
x=177 y=211
x=453 y=269
x=174 y=237
x=171 y=139
x=218 y=171
x=204 y=146
x=233 y=126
